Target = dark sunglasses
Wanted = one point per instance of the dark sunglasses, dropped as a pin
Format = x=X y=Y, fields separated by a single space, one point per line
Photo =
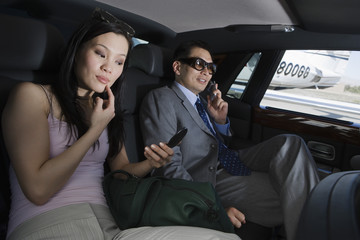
x=107 y=17
x=199 y=64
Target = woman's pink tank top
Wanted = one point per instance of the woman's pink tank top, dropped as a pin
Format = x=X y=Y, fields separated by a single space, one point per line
x=85 y=185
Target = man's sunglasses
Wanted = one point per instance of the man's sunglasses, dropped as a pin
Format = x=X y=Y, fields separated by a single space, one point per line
x=107 y=17
x=199 y=64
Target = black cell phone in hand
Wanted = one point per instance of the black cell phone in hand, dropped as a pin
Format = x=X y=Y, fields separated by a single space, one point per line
x=176 y=139
x=210 y=89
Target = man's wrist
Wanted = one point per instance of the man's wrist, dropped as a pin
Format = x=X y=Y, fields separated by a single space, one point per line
x=221 y=121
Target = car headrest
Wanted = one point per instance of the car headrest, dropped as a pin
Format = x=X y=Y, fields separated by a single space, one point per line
x=28 y=45
x=151 y=59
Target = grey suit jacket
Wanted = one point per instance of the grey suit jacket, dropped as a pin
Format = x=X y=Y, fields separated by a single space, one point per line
x=166 y=110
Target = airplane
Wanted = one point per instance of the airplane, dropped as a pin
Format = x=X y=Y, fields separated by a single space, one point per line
x=303 y=69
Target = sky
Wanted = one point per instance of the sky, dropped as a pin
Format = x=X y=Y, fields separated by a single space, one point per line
x=352 y=71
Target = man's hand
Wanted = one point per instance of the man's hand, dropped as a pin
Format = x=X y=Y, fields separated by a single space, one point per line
x=237 y=218
x=218 y=108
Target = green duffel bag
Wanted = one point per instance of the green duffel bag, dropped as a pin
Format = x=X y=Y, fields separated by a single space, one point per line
x=159 y=201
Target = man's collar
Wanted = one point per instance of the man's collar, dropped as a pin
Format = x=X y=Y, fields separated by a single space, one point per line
x=188 y=94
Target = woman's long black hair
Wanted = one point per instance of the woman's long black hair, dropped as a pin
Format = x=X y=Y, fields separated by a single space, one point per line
x=65 y=89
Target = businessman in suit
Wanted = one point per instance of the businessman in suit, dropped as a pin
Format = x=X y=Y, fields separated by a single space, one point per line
x=267 y=183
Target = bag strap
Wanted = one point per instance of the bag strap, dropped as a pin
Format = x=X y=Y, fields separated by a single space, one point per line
x=140 y=196
x=111 y=174
x=135 y=216
x=140 y=199
x=107 y=180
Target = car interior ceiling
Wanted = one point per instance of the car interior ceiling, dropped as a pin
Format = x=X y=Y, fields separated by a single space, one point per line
x=313 y=25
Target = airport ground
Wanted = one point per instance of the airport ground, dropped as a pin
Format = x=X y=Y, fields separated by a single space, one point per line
x=333 y=102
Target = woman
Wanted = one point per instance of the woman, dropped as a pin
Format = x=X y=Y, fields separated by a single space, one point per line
x=59 y=135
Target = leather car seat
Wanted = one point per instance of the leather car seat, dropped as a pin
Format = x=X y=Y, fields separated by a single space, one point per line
x=149 y=68
x=29 y=52
x=332 y=210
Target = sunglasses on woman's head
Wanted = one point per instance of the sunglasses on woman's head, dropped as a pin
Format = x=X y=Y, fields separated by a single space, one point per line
x=105 y=16
x=199 y=64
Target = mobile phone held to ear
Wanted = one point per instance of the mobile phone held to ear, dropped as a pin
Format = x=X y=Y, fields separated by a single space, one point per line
x=210 y=89
x=176 y=139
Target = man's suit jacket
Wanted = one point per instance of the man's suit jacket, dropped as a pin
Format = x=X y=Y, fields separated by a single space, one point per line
x=166 y=110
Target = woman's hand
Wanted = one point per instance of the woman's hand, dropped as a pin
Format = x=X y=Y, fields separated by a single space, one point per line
x=237 y=218
x=158 y=155
x=104 y=110
x=218 y=108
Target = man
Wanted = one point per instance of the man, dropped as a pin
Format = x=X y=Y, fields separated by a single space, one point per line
x=274 y=177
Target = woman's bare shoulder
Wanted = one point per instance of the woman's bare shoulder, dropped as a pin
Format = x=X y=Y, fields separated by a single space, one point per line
x=28 y=93
x=27 y=88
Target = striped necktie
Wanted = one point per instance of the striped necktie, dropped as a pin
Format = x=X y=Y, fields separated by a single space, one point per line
x=228 y=158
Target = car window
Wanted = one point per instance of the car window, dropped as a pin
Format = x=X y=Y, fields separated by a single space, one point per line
x=137 y=41
x=321 y=83
x=237 y=88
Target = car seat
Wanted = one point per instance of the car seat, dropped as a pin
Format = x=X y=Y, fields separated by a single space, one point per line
x=29 y=52
x=332 y=210
x=149 y=68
